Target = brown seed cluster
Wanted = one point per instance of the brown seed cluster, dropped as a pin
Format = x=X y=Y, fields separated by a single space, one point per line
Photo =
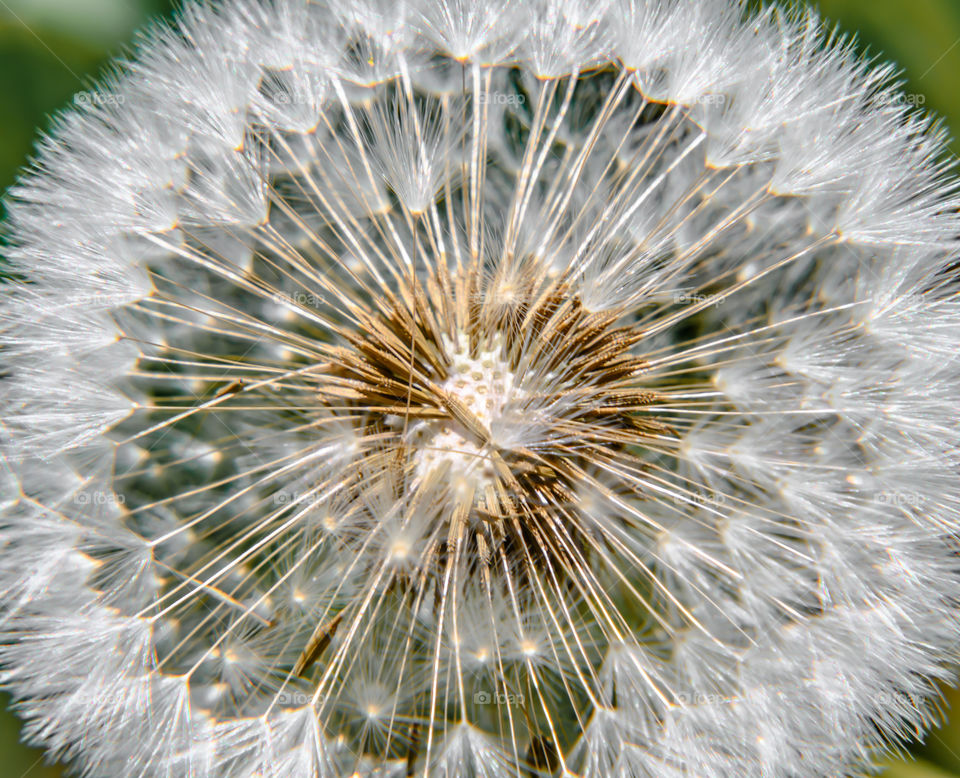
x=450 y=367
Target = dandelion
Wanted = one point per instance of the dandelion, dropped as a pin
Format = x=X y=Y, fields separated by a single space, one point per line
x=471 y=388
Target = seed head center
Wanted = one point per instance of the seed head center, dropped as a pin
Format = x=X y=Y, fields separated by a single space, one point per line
x=483 y=384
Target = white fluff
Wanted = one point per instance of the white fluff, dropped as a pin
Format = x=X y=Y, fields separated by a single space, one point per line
x=767 y=589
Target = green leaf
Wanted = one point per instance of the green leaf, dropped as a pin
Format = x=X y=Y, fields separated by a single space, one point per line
x=914 y=768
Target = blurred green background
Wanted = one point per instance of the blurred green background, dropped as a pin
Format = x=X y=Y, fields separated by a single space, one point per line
x=52 y=49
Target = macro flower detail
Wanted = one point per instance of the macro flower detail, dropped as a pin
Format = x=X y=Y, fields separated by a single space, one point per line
x=470 y=388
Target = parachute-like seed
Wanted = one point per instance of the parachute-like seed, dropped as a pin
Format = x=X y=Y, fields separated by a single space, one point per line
x=470 y=388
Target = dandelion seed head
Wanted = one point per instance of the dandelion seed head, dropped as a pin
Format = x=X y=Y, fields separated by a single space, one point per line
x=459 y=387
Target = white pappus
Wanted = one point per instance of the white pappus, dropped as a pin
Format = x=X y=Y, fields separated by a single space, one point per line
x=482 y=388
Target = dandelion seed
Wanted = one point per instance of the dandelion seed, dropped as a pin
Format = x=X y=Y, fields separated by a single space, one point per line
x=467 y=388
